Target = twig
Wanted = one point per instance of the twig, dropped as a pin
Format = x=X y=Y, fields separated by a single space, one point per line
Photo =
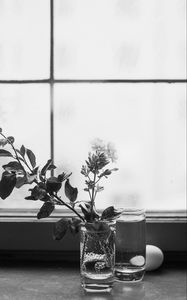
x=70 y=207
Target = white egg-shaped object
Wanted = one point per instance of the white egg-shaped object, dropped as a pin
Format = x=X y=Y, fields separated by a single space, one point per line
x=154 y=257
x=137 y=260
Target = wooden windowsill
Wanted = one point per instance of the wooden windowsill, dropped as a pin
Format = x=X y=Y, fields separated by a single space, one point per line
x=62 y=281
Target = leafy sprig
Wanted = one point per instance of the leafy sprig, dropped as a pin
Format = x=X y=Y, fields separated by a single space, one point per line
x=23 y=169
x=94 y=170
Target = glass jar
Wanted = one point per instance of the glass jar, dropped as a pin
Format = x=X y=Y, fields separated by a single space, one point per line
x=130 y=245
x=97 y=256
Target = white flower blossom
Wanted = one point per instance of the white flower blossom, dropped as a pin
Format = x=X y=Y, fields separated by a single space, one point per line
x=109 y=149
x=111 y=152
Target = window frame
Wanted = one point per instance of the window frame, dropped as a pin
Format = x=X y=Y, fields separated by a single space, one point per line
x=52 y=81
x=164 y=228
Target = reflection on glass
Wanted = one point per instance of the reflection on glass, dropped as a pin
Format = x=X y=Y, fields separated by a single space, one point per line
x=120 y=39
x=147 y=125
x=24 y=114
x=24 y=39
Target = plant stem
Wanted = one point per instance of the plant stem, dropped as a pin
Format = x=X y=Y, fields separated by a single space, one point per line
x=88 y=188
x=68 y=206
x=97 y=180
x=92 y=197
x=90 y=194
x=95 y=195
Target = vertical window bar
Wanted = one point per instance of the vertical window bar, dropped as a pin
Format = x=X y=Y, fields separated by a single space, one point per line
x=52 y=79
x=51 y=41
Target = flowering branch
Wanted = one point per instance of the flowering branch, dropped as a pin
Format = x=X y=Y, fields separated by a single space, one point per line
x=24 y=170
x=94 y=170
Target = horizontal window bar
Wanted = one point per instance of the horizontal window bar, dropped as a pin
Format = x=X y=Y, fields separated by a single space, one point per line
x=94 y=81
x=25 y=81
x=119 y=80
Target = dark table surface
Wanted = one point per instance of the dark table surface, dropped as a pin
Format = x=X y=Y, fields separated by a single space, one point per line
x=53 y=281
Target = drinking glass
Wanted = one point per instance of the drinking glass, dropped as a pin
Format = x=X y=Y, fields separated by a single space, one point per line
x=130 y=245
x=97 y=256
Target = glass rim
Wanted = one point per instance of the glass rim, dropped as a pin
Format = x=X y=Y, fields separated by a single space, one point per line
x=99 y=221
x=133 y=210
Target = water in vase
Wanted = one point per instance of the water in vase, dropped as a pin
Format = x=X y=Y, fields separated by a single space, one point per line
x=97 y=255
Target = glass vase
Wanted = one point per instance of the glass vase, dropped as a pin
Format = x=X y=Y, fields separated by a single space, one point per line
x=130 y=245
x=97 y=256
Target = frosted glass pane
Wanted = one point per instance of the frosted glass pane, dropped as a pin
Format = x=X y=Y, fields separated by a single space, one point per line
x=24 y=39
x=120 y=39
x=25 y=114
x=147 y=125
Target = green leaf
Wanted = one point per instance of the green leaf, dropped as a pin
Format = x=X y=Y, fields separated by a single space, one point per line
x=51 y=167
x=35 y=171
x=86 y=210
x=110 y=213
x=7 y=184
x=5 y=153
x=46 y=209
x=10 y=139
x=106 y=173
x=60 y=229
x=13 y=166
x=37 y=193
x=22 y=150
x=46 y=167
x=31 y=157
x=20 y=181
x=3 y=142
x=62 y=177
x=26 y=179
x=30 y=198
x=75 y=225
x=31 y=178
x=53 y=185
x=70 y=192
x=99 y=188
x=46 y=198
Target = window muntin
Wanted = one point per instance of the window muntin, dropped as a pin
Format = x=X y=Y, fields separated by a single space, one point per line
x=166 y=61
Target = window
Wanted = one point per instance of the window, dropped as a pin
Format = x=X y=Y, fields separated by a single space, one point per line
x=75 y=70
